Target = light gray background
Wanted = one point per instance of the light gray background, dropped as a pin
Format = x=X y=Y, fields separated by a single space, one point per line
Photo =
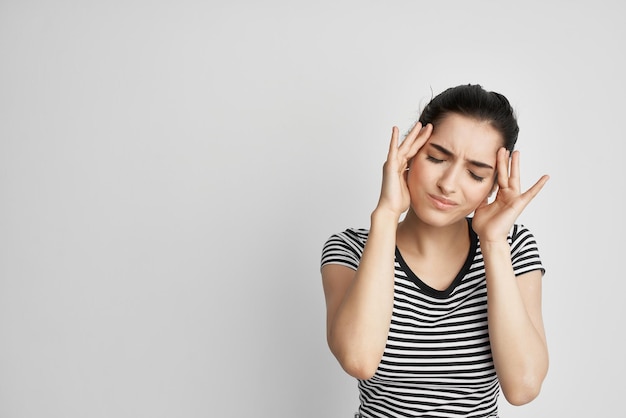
x=170 y=170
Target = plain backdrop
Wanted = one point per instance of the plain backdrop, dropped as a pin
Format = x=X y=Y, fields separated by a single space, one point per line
x=169 y=172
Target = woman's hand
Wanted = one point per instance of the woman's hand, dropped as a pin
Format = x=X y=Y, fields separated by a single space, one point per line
x=493 y=221
x=394 y=196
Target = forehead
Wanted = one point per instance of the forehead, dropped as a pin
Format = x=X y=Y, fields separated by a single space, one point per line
x=467 y=136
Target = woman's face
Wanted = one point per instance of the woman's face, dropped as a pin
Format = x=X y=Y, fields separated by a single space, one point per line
x=454 y=171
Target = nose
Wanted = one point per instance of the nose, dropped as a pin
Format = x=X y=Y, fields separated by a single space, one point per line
x=448 y=181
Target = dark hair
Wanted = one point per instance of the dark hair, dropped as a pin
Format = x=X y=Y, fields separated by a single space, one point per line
x=473 y=101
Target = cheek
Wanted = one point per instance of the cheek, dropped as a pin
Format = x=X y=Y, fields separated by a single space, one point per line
x=478 y=194
x=418 y=171
x=420 y=163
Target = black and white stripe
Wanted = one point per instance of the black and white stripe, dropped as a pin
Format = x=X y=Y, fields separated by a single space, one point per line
x=437 y=361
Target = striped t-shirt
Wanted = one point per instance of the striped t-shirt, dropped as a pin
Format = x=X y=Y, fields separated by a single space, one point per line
x=437 y=361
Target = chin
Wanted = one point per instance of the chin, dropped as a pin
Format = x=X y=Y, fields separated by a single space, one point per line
x=438 y=218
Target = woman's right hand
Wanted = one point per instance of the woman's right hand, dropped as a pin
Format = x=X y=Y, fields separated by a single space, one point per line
x=394 y=196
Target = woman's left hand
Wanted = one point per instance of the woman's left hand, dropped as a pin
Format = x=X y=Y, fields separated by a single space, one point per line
x=493 y=221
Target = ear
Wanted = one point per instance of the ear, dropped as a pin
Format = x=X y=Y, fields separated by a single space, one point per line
x=407 y=169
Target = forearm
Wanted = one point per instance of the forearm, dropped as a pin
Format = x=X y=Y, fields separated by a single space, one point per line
x=358 y=333
x=518 y=346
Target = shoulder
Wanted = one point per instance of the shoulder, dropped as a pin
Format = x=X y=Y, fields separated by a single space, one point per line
x=345 y=247
x=351 y=235
x=525 y=254
x=524 y=250
x=354 y=238
x=520 y=235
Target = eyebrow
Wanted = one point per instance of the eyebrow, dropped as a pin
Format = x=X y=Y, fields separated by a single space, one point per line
x=450 y=154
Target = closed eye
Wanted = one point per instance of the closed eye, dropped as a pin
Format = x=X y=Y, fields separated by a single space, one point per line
x=433 y=159
x=475 y=177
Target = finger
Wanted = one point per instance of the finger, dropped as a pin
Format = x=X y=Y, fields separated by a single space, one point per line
x=421 y=139
x=502 y=166
x=393 y=144
x=514 y=175
x=530 y=194
x=408 y=140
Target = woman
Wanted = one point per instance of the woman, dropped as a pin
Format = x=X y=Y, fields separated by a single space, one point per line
x=436 y=311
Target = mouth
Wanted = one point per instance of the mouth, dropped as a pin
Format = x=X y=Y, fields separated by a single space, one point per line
x=441 y=202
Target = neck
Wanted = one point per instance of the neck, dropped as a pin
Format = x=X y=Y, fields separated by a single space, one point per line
x=421 y=238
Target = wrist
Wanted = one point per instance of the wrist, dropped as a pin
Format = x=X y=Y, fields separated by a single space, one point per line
x=493 y=245
x=384 y=215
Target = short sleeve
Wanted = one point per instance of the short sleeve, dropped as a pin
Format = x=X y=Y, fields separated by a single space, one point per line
x=524 y=251
x=344 y=248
